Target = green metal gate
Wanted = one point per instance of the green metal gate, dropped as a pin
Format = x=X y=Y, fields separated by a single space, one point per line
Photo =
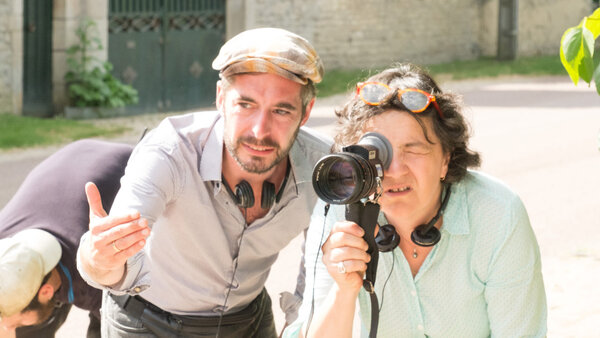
x=164 y=49
x=37 y=61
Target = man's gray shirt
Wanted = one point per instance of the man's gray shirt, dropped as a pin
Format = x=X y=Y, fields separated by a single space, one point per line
x=173 y=179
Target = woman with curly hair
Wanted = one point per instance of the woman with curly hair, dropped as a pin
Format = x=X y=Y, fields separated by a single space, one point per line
x=467 y=263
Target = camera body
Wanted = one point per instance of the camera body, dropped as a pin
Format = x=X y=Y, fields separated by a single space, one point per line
x=355 y=172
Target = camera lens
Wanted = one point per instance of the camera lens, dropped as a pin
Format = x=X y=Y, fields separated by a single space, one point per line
x=351 y=175
x=342 y=178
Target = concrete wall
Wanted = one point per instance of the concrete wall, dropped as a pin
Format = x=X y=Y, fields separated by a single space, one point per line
x=11 y=56
x=376 y=33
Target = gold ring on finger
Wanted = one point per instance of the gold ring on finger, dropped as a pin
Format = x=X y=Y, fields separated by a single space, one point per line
x=114 y=245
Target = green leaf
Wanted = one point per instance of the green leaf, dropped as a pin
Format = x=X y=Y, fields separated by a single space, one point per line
x=569 y=43
x=576 y=52
x=73 y=49
x=596 y=79
x=593 y=23
x=586 y=67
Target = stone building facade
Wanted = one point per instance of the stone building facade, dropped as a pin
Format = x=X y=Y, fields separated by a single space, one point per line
x=65 y=18
x=375 y=33
x=347 y=33
x=11 y=54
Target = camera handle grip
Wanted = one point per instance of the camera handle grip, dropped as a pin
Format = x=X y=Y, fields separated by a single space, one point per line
x=365 y=215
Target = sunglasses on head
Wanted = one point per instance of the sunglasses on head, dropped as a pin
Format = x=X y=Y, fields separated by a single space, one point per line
x=415 y=100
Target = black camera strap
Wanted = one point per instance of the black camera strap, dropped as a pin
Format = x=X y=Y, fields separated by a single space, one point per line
x=366 y=215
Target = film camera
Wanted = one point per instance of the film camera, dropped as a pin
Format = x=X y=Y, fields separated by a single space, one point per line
x=347 y=178
x=355 y=173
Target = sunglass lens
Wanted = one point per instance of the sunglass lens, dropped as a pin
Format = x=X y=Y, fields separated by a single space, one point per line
x=414 y=101
x=373 y=93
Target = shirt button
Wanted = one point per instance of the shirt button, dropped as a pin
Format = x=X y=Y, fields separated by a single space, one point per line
x=413 y=293
x=137 y=289
x=420 y=327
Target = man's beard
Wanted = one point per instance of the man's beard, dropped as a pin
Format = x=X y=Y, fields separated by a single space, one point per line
x=258 y=165
x=43 y=311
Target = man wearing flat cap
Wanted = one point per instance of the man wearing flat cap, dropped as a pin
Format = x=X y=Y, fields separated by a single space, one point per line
x=209 y=199
x=40 y=228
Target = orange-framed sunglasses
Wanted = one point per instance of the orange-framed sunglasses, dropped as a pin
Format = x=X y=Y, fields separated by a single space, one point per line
x=416 y=100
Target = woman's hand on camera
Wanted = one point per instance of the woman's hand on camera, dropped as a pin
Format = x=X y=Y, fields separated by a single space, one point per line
x=345 y=255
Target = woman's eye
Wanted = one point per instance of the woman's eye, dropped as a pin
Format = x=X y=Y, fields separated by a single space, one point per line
x=417 y=151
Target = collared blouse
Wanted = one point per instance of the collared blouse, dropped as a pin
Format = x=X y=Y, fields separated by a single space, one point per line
x=483 y=279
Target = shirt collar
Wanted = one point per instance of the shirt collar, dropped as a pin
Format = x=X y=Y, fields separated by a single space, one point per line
x=211 y=159
x=456 y=217
x=299 y=158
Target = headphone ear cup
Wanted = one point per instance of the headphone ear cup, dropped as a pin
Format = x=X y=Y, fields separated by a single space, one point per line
x=387 y=238
x=244 y=196
x=425 y=238
x=267 y=197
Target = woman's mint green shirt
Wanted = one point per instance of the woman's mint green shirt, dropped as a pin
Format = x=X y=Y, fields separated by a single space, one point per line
x=483 y=279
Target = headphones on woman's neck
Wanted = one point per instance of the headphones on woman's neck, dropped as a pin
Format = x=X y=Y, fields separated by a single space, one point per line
x=244 y=195
x=387 y=238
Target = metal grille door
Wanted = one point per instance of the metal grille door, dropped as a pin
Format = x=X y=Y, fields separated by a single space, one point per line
x=164 y=49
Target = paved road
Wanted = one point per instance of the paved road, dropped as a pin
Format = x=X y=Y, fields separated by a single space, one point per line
x=539 y=135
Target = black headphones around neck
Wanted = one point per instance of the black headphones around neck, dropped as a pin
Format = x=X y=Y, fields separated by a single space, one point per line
x=244 y=195
x=387 y=238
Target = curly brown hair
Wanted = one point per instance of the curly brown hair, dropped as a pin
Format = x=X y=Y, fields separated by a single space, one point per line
x=452 y=130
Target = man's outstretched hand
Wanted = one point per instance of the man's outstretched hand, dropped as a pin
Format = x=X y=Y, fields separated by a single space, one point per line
x=112 y=240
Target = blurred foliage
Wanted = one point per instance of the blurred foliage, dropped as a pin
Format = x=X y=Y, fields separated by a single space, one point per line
x=577 y=47
x=21 y=131
x=90 y=81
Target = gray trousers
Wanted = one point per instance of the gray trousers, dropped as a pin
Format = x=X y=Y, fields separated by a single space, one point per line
x=153 y=322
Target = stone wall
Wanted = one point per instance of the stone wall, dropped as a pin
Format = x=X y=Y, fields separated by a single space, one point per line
x=67 y=15
x=376 y=33
x=542 y=23
x=11 y=55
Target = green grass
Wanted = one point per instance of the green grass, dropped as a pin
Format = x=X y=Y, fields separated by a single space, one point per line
x=340 y=81
x=490 y=67
x=20 y=131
